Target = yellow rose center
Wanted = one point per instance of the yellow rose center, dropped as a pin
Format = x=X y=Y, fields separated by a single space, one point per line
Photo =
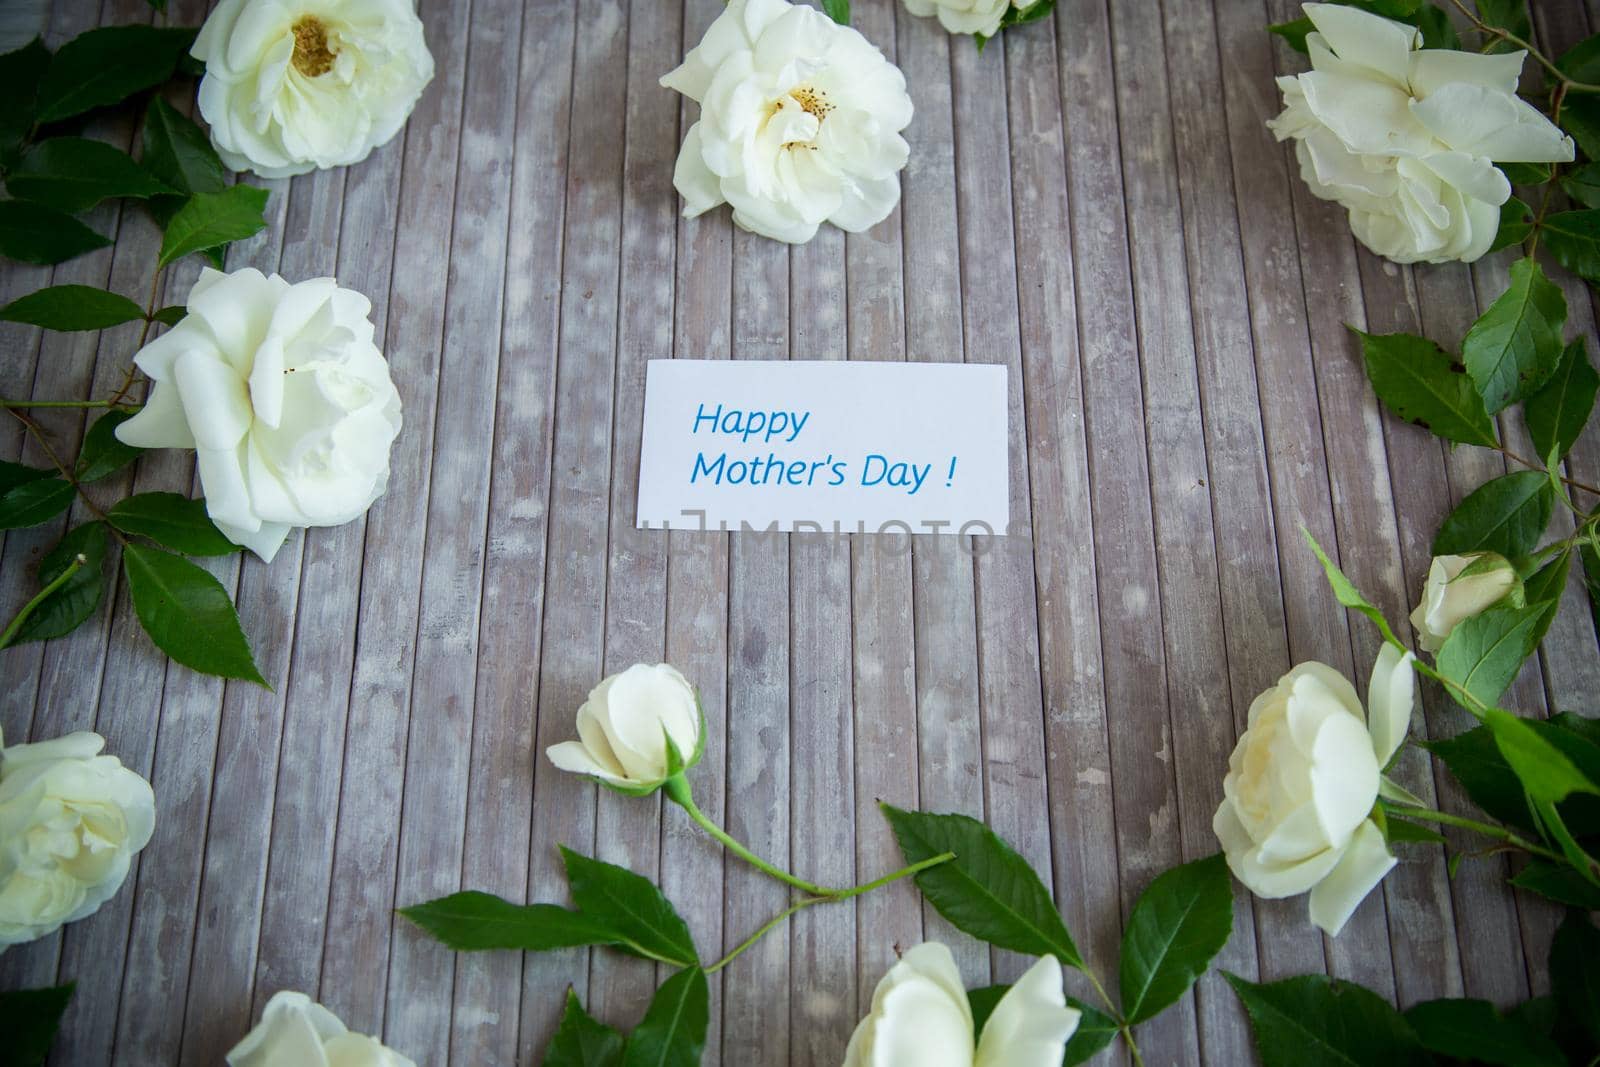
x=813 y=102
x=312 y=56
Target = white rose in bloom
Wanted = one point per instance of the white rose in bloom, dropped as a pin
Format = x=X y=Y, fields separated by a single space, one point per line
x=1302 y=782
x=1450 y=597
x=283 y=396
x=624 y=727
x=966 y=16
x=294 y=1031
x=920 y=1015
x=1406 y=140
x=71 y=821
x=293 y=85
x=800 y=122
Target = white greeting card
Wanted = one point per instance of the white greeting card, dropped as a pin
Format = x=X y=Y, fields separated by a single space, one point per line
x=824 y=446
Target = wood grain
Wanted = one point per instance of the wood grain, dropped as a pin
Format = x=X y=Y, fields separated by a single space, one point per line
x=1093 y=202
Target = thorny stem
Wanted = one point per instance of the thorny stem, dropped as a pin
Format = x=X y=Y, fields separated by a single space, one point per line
x=38 y=434
x=23 y=405
x=1506 y=452
x=1570 y=84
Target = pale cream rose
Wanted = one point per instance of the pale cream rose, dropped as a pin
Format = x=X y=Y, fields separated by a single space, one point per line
x=800 y=122
x=1449 y=597
x=1406 y=140
x=296 y=85
x=295 y=1031
x=285 y=399
x=71 y=821
x=1302 y=782
x=624 y=725
x=920 y=1015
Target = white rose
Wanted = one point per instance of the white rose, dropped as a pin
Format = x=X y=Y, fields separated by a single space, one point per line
x=800 y=122
x=293 y=85
x=966 y=16
x=295 y=1031
x=920 y=1015
x=283 y=396
x=1302 y=782
x=71 y=822
x=1449 y=597
x=624 y=727
x=1406 y=140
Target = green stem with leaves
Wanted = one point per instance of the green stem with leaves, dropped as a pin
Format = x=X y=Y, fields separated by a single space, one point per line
x=806 y=902
x=1570 y=85
x=1499 y=833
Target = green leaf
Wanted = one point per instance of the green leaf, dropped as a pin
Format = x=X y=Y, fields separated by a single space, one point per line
x=1516 y=223
x=1509 y=15
x=1590 y=558
x=1515 y=346
x=1473 y=1030
x=1397 y=830
x=1313 y=1020
x=1437 y=29
x=1018 y=16
x=37 y=234
x=1573 y=237
x=73 y=174
x=1421 y=384
x=210 y=220
x=172 y=520
x=179 y=152
x=1581 y=62
x=102 y=454
x=1547 y=774
x=1177 y=925
x=107 y=65
x=837 y=10
x=580 y=1041
x=28 y=1019
x=1574 y=978
x=1559 y=883
x=72 y=307
x=631 y=907
x=1095 y=1031
x=1548 y=582
x=1557 y=413
x=1580 y=116
x=20 y=73
x=71 y=605
x=29 y=496
x=188 y=614
x=1484 y=653
x=1507 y=515
x=170 y=315
x=471 y=921
x=1345 y=591
x=1475 y=761
x=1525 y=173
x=673 y=1030
x=1583 y=184
x=1294 y=32
x=988 y=890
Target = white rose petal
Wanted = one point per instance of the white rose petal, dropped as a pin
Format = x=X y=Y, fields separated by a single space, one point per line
x=800 y=122
x=295 y=1031
x=295 y=85
x=1406 y=139
x=1449 y=598
x=1302 y=782
x=920 y=1015
x=624 y=725
x=283 y=395
x=71 y=821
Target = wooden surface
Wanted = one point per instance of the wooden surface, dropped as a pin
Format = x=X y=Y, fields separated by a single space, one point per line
x=1093 y=202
